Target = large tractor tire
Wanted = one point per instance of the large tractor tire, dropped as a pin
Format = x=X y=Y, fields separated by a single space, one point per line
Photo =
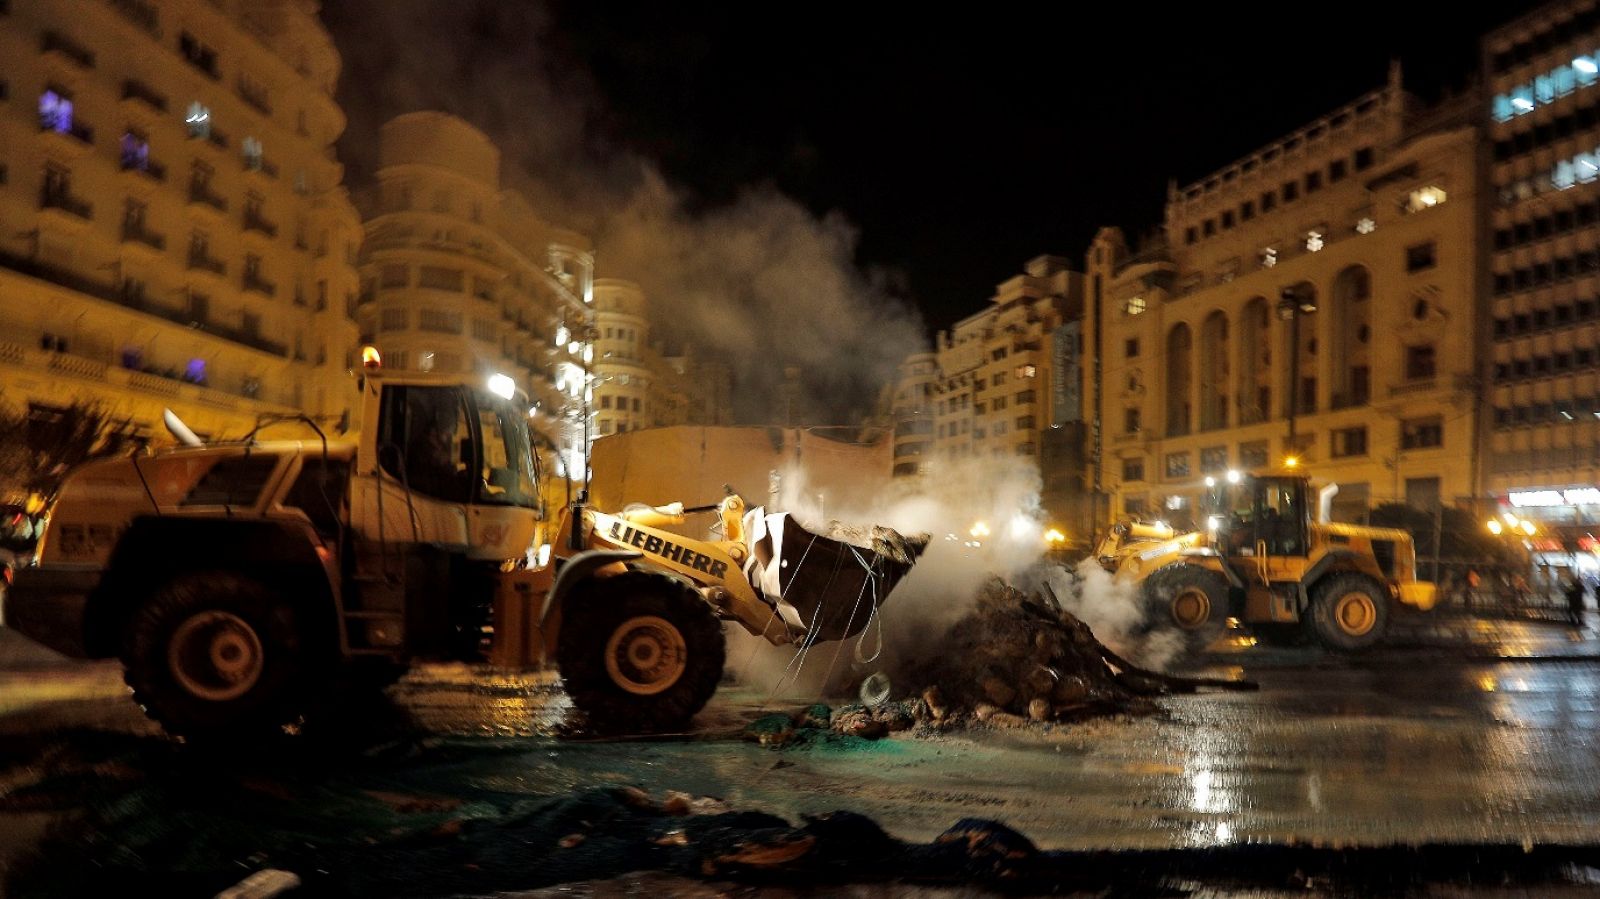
x=639 y=653
x=217 y=655
x=1349 y=612
x=1187 y=600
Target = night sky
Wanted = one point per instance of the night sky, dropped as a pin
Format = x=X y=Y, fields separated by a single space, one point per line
x=957 y=144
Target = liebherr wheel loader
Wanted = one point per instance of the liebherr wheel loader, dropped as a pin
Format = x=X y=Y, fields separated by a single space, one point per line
x=1265 y=561
x=238 y=581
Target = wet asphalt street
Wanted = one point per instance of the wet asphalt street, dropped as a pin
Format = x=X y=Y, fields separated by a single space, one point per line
x=1465 y=731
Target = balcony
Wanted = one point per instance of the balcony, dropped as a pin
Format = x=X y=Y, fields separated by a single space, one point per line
x=199 y=261
x=258 y=284
x=135 y=301
x=141 y=14
x=140 y=235
x=254 y=221
x=63 y=200
x=261 y=166
x=255 y=97
x=55 y=42
x=139 y=91
x=149 y=168
x=202 y=195
x=76 y=134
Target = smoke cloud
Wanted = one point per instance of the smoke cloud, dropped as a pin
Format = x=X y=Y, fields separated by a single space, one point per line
x=759 y=282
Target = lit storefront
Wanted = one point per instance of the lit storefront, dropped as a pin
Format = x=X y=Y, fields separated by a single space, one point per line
x=1566 y=522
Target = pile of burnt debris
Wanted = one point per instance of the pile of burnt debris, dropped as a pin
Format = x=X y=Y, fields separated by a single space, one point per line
x=1013 y=659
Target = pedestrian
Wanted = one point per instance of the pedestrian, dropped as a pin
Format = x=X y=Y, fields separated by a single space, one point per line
x=1575 y=591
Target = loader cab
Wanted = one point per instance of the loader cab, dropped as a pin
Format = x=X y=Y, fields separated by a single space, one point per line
x=456 y=444
x=1266 y=513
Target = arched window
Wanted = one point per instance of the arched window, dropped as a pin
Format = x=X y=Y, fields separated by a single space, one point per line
x=1301 y=360
x=1255 y=369
x=1180 y=346
x=1352 y=290
x=1214 y=372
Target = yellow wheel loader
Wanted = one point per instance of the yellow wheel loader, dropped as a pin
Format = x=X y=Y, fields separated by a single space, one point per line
x=238 y=581
x=1265 y=561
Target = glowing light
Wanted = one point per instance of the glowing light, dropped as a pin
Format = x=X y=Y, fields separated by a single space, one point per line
x=502 y=386
x=1366 y=226
x=1586 y=65
x=1495 y=527
x=1233 y=476
x=1054 y=537
x=1211 y=481
x=1291 y=462
x=543 y=557
x=1528 y=527
x=1022 y=528
x=1163 y=525
x=371 y=358
x=979 y=529
x=1213 y=523
x=1522 y=102
x=1314 y=241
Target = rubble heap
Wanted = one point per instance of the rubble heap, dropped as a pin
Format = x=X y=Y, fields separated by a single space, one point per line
x=1015 y=658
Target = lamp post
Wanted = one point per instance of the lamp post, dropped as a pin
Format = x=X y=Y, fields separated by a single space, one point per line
x=1292 y=305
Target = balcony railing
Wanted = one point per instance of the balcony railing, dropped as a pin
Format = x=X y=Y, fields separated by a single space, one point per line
x=78 y=131
x=141 y=14
x=55 y=42
x=138 y=90
x=201 y=193
x=136 y=301
x=147 y=167
x=205 y=263
x=66 y=202
x=260 y=285
x=254 y=221
x=139 y=234
x=256 y=97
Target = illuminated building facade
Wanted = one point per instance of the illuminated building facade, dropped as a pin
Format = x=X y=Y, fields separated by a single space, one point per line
x=461 y=275
x=1542 y=109
x=173 y=229
x=985 y=391
x=636 y=386
x=1317 y=299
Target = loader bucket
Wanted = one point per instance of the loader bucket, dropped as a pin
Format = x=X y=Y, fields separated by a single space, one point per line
x=825 y=586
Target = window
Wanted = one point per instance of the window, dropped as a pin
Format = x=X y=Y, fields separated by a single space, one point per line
x=1349 y=442
x=605 y=402
x=1419 y=362
x=999 y=403
x=1209 y=227
x=135 y=151
x=197 y=54
x=999 y=378
x=1227 y=219
x=1422 y=433
x=55 y=111
x=443 y=321
x=1024 y=396
x=394 y=276
x=1313 y=182
x=393 y=319
x=1291 y=191
x=253 y=154
x=1253 y=454
x=1364 y=159
x=1268 y=201
x=1177 y=465
x=483 y=329
x=1134 y=306
x=198 y=120
x=1130 y=348
x=133 y=213
x=1027 y=371
x=1133 y=469
x=1024 y=422
x=439 y=278
x=1336 y=171
x=997 y=354
x=1421 y=257
x=1423 y=198
x=1213 y=459
x=1190 y=235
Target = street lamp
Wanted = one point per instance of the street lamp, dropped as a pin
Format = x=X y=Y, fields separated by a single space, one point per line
x=1291 y=305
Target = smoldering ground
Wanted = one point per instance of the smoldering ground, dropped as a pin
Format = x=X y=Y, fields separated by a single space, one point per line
x=757 y=281
x=955 y=502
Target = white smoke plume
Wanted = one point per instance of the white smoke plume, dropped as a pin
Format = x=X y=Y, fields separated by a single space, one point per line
x=758 y=282
x=949 y=502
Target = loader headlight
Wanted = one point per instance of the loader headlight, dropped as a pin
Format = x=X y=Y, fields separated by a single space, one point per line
x=502 y=386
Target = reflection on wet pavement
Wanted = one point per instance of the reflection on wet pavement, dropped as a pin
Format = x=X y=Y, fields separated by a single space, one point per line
x=1437 y=740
